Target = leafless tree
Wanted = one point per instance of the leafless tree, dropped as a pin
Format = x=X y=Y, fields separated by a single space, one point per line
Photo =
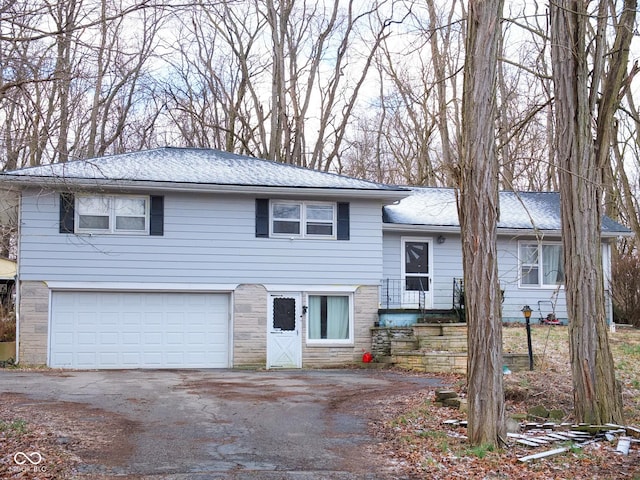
x=74 y=71
x=279 y=80
x=478 y=211
x=414 y=120
x=582 y=158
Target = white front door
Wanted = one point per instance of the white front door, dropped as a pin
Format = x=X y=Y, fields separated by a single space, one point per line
x=284 y=329
x=416 y=272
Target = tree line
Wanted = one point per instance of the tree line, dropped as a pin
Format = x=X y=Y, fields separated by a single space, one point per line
x=480 y=96
x=369 y=88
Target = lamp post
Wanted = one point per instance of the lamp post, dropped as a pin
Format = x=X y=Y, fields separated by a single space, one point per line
x=526 y=311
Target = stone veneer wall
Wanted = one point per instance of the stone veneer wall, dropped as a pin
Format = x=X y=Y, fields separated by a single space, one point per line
x=250 y=326
x=34 y=323
x=382 y=337
x=365 y=301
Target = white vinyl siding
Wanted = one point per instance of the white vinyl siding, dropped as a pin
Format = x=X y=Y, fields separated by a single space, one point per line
x=207 y=239
x=447 y=265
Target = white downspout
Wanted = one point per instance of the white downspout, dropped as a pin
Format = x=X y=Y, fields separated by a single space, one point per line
x=18 y=287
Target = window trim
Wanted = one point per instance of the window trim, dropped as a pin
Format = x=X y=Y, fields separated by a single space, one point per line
x=112 y=215
x=303 y=220
x=540 y=285
x=330 y=342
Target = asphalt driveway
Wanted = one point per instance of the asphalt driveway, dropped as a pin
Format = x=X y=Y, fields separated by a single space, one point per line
x=215 y=424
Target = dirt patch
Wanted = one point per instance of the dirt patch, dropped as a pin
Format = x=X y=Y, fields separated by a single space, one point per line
x=64 y=434
x=232 y=391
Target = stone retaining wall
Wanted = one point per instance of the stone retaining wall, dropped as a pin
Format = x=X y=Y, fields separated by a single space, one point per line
x=381 y=338
x=432 y=348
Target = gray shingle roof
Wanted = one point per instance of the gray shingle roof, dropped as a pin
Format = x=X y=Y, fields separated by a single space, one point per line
x=196 y=166
x=518 y=210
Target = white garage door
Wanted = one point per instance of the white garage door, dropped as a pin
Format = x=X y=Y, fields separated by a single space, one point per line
x=139 y=330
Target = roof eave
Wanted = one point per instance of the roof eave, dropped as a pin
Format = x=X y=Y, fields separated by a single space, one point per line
x=406 y=227
x=153 y=186
x=511 y=232
x=617 y=234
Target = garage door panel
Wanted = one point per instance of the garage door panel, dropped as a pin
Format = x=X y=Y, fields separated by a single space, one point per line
x=86 y=359
x=139 y=330
x=130 y=338
x=85 y=338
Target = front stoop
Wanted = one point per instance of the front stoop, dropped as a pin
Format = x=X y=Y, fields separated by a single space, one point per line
x=432 y=348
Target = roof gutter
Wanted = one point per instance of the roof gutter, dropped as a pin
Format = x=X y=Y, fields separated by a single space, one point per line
x=511 y=232
x=401 y=227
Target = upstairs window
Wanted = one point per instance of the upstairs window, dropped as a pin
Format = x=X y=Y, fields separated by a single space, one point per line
x=303 y=219
x=541 y=265
x=112 y=214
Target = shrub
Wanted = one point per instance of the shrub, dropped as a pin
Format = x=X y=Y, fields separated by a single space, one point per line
x=625 y=284
x=7 y=330
x=7 y=324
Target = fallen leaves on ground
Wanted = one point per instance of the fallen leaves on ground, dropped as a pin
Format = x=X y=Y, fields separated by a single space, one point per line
x=409 y=427
x=418 y=444
x=42 y=440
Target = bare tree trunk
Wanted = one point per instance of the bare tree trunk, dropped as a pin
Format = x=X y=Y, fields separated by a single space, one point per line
x=438 y=59
x=100 y=73
x=66 y=19
x=596 y=396
x=478 y=211
x=278 y=18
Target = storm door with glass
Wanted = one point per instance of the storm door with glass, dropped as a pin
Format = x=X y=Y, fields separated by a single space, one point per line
x=416 y=273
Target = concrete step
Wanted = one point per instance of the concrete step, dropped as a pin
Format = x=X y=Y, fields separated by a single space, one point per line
x=432 y=362
x=439 y=330
x=403 y=344
x=456 y=343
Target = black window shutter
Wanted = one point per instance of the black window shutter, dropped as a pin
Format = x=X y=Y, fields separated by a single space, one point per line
x=262 y=217
x=156 y=218
x=343 y=221
x=67 y=213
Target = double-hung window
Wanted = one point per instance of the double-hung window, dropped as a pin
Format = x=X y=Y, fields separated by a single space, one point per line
x=303 y=219
x=112 y=214
x=541 y=264
x=329 y=319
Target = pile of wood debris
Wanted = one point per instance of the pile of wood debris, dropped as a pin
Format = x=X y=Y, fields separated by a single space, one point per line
x=571 y=436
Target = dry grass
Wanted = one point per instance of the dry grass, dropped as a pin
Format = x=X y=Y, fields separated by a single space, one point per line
x=550 y=381
x=421 y=446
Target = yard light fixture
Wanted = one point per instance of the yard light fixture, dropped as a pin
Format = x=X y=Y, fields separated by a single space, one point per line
x=526 y=311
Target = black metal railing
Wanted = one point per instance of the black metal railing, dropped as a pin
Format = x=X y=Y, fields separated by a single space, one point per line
x=458 y=298
x=393 y=294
